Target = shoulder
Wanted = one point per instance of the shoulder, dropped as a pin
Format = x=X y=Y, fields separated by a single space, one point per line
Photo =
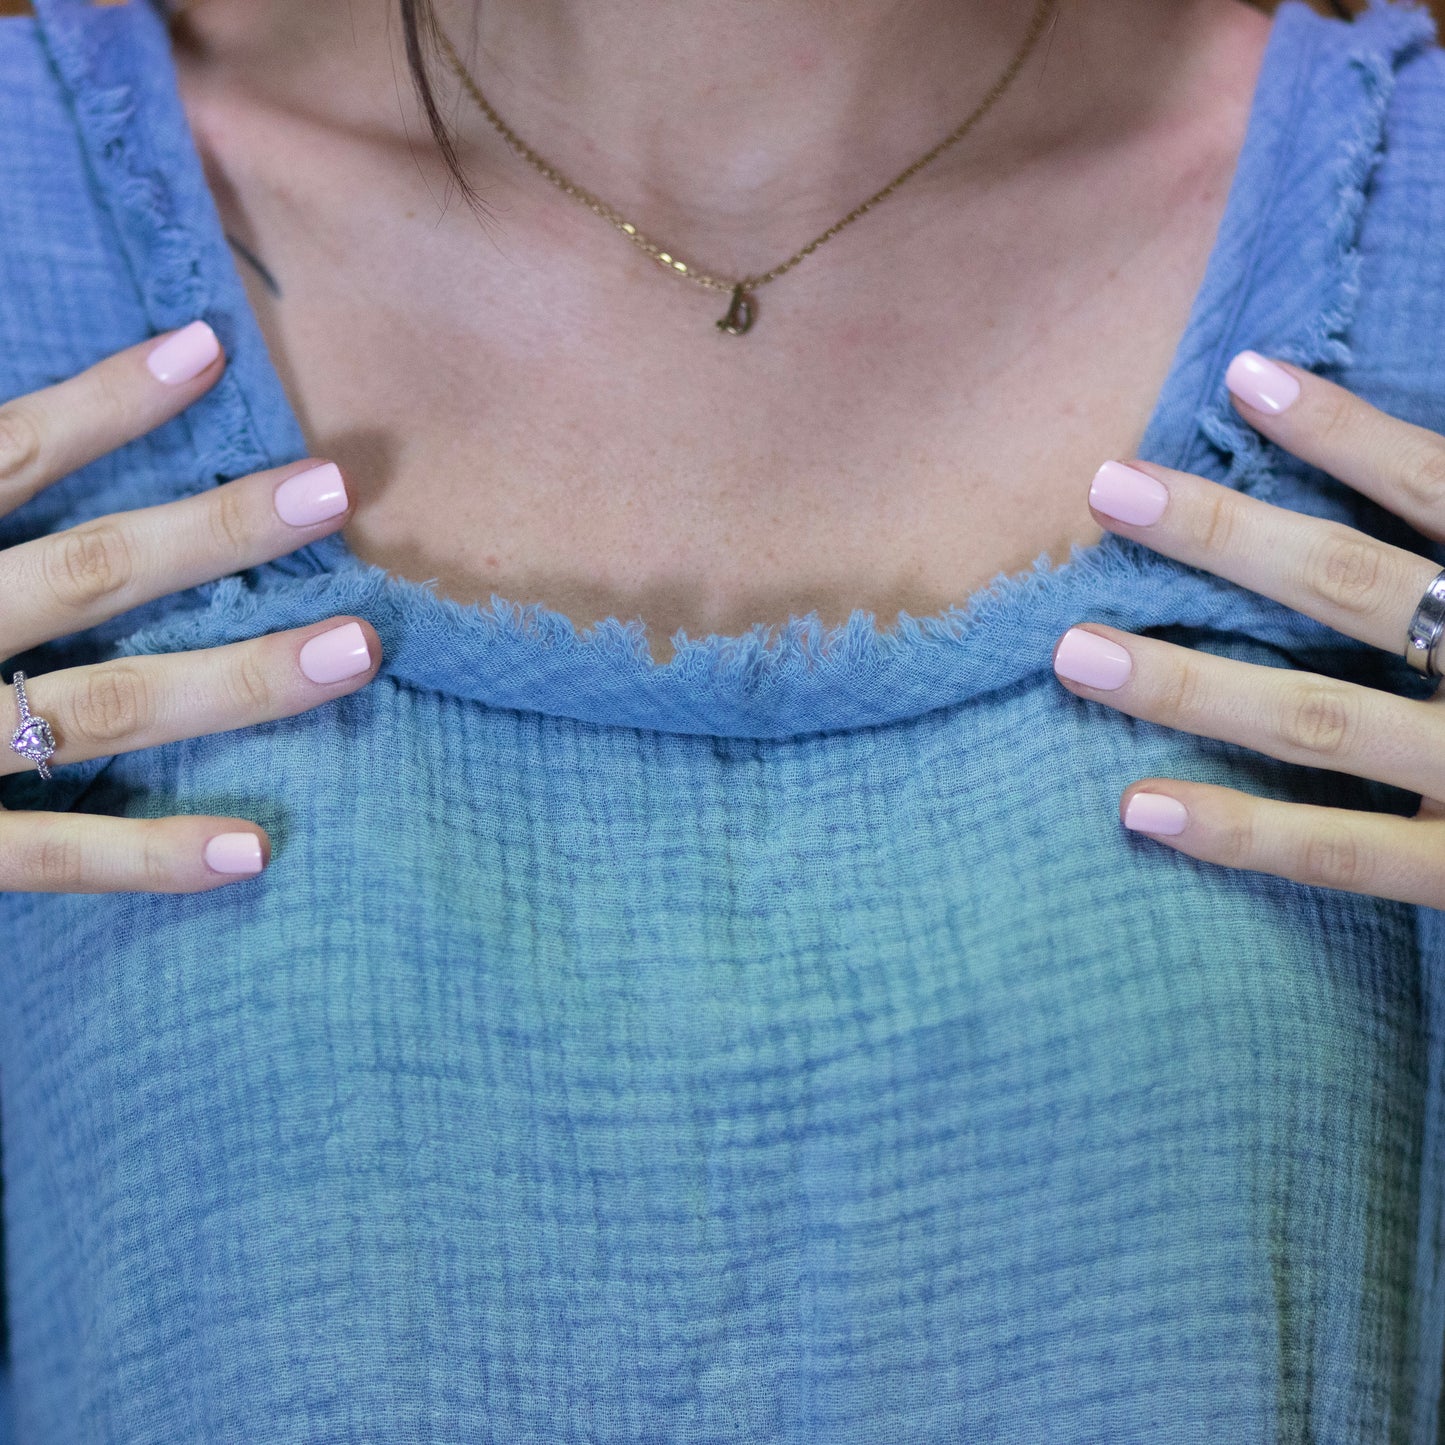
x=74 y=59
x=1370 y=247
x=1393 y=176
x=1415 y=112
x=1348 y=177
x=1359 y=221
x=56 y=241
x=50 y=225
x=1383 y=71
x=1405 y=31
x=43 y=171
x=1390 y=57
x=73 y=78
x=29 y=89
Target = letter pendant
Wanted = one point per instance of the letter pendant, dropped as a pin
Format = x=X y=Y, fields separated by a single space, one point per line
x=740 y=313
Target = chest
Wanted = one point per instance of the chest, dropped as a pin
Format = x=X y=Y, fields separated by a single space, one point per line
x=532 y=408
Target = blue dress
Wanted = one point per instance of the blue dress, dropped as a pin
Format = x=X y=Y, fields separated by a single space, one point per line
x=785 y=1044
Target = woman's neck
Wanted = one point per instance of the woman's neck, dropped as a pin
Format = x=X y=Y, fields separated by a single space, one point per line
x=744 y=122
x=711 y=115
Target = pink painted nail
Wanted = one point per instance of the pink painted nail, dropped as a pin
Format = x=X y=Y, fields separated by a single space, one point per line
x=184 y=355
x=312 y=496
x=1092 y=660
x=234 y=853
x=1127 y=495
x=1260 y=383
x=336 y=655
x=1155 y=813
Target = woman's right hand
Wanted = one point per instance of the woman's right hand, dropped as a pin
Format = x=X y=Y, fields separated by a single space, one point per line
x=77 y=578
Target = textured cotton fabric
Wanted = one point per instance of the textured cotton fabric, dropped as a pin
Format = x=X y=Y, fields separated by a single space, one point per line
x=785 y=1044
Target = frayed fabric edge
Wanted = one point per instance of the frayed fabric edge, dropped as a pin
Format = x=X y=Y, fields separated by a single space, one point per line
x=770 y=657
x=1324 y=340
x=831 y=680
x=235 y=601
x=767 y=663
x=163 y=252
x=163 y=256
x=801 y=645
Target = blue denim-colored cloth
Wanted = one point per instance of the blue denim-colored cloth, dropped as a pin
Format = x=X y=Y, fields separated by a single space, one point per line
x=785 y=1044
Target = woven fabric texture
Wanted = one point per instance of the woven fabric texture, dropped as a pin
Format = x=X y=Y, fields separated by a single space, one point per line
x=782 y=1045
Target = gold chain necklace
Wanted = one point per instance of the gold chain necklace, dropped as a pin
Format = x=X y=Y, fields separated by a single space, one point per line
x=743 y=309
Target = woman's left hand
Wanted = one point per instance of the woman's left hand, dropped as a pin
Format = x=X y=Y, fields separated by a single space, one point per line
x=1346 y=579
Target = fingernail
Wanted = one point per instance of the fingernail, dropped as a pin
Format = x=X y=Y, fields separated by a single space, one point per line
x=1260 y=383
x=234 y=853
x=1127 y=495
x=185 y=355
x=338 y=654
x=312 y=496
x=1155 y=813
x=1092 y=660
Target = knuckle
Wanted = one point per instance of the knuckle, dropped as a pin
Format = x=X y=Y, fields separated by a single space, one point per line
x=1344 y=569
x=1318 y=718
x=155 y=860
x=56 y=864
x=251 y=685
x=1422 y=475
x=1220 y=512
x=19 y=441
x=1331 y=857
x=86 y=564
x=1335 y=413
x=108 y=401
x=227 y=515
x=115 y=703
x=1235 y=845
x=1185 y=697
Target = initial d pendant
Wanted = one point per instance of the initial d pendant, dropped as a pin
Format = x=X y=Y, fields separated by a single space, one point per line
x=740 y=313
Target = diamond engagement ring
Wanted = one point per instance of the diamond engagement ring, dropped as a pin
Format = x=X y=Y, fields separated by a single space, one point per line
x=33 y=739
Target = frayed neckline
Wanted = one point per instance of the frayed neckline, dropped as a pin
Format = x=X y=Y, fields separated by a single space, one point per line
x=773 y=680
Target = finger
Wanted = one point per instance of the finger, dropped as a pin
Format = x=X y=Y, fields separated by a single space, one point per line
x=1379 y=854
x=143 y=701
x=1364 y=588
x=70 y=580
x=47 y=434
x=1295 y=716
x=1398 y=464
x=94 y=853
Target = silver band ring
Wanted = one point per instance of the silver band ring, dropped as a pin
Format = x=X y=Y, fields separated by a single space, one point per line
x=1426 y=628
x=33 y=738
